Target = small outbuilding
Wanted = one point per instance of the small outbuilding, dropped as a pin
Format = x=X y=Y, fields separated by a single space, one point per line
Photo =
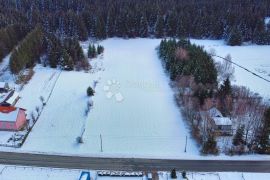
x=12 y=118
x=9 y=99
x=4 y=87
x=13 y=98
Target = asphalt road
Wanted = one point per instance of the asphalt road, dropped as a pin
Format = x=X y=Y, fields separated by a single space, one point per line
x=131 y=164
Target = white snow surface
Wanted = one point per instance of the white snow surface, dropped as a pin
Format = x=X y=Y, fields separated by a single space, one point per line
x=8 y=172
x=253 y=57
x=140 y=117
x=133 y=107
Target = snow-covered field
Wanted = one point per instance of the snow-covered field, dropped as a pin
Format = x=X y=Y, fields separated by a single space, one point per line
x=134 y=113
x=253 y=57
x=33 y=173
x=134 y=110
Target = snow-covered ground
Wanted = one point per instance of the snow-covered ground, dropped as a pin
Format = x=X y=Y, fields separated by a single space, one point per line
x=33 y=173
x=134 y=113
x=41 y=84
x=5 y=74
x=134 y=110
x=253 y=57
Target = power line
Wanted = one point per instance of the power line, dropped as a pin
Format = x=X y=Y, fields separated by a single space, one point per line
x=253 y=73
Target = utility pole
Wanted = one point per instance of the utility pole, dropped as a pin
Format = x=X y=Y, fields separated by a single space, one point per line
x=101 y=148
x=186 y=145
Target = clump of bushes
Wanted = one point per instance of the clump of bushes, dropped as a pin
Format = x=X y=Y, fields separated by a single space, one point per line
x=210 y=145
x=173 y=174
x=94 y=51
x=90 y=91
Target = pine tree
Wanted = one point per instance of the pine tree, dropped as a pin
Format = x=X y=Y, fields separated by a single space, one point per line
x=159 y=27
x=90 y=91
x=210 y=146
x=100 y=49
x=235 y=37
x=224 y=96
x=66 y=61
x=171 y=25
x=263 y=146
x=82 y=29
x=54 y=50
x=100 y=29
x=92 y=52
x=226 y=88
x=89 y=52
x=238 y=138
x=143 y=27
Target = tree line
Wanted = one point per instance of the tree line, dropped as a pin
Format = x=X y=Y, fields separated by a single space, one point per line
x=183 y=58
x=235 y=21
x=10 y=36
x=27 y=52
x=41 y=47
x=201 y=84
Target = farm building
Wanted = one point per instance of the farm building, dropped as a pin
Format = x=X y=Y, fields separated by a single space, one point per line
x=12 y=118
x=220 y=124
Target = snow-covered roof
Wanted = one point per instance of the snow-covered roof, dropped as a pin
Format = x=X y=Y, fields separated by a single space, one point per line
x=9 y=115
x=2 y=84
x=14 y=96
x=214 y=112
x=224 y=121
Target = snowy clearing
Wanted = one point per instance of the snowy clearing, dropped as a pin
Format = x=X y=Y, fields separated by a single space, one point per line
x=134 y=112
x=134 y=109
x=253 y=57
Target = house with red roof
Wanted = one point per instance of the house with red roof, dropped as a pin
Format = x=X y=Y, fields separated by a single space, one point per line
x=12 y=118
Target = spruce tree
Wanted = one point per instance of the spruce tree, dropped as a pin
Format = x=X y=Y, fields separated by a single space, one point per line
x=90 y=91
x=67 y=61
x=143 y=27
x=238 y=138
x=263 y=139
x=100 y=29
x=54 y=50
x=210 y=146
x=235 y=37
x=226 y=88
x=100 y=49
x=92 y=51
x=159 y=27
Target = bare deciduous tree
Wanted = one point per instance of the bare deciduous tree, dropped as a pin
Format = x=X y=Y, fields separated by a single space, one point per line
x=225 y=69
x=42 y=100
x=37 y=110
